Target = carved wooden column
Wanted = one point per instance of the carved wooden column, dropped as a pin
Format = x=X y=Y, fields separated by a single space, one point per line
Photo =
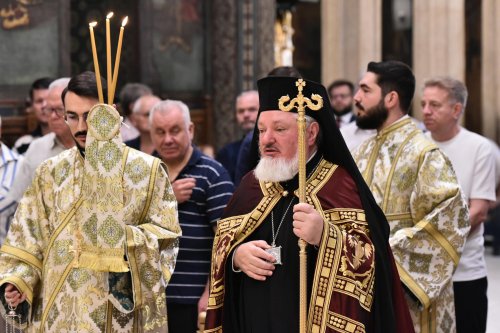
x=242 y=49
x=351 y=36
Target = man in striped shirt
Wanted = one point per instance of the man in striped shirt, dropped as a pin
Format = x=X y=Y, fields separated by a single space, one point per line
x=202 y=188
x=9 y=163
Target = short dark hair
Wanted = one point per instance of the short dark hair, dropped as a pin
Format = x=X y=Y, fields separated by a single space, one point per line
x=38 y=84
x=130 y=93
x=285 y=71
x=85 y=85
x=395 y=76
x=340 y=83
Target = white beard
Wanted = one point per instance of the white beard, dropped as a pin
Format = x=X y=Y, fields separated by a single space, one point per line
x=276 y=169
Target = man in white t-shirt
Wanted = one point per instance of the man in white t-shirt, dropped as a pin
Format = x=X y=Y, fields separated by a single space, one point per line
x=443 y=102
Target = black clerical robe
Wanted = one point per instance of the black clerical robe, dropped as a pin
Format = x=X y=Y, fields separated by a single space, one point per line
x=341 y=271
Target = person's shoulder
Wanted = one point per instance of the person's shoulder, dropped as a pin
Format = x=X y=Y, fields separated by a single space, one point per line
x=134 y=143
x=64 y=159
x=135 y=153
x=473 y=138
x=209 y=161
x=209 y=167
x=24 y=140
x=41 y=142
x=229 y=149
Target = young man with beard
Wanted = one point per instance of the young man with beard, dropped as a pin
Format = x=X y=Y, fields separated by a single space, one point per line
x=415 y=185
x=351 y=277
x=94 y=239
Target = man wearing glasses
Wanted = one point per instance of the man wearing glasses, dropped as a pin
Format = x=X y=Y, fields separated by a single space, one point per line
x=341 y=92
x=49 y=145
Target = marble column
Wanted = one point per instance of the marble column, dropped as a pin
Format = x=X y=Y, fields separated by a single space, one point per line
x=438 y=42
x=490 y=69
x=351 y=36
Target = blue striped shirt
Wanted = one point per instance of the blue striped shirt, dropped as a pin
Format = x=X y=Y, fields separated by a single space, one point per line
x=197 y=217
x=9 y=164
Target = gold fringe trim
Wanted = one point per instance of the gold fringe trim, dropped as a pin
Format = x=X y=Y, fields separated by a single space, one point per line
x=102 y=263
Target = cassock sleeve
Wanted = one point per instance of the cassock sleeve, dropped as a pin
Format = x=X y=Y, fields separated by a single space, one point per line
x=428 y=251
x=152 y=246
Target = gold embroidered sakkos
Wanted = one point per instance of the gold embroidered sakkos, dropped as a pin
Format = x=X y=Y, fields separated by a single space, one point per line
x=94 y=239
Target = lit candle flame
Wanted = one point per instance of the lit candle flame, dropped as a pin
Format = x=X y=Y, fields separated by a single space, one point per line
x=92 y=24
x=110 y=15
x=125 y=20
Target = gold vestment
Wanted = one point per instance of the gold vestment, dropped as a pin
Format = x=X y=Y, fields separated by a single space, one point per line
x=94 y=240
x=415 y=185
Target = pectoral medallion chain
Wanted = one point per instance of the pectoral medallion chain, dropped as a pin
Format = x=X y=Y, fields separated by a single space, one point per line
x=275 y=251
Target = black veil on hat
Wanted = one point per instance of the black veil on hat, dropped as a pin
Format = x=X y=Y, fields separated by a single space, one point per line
x=334 y=149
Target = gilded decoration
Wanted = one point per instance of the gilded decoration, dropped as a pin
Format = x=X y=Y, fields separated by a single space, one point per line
x=61 y=252
x=111 y=231
x=137 y=170
x=149 y=276
x=109 y=156
x=61 y=172
x=122 y=318
x=419 y=194
x=92 y=154
x=77 y=278
x=53 y=314
x=90 y=229
x=104 y=122
x=98 y=316
x=420 y=262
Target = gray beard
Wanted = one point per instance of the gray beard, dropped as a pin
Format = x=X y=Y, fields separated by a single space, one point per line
x=276 y=169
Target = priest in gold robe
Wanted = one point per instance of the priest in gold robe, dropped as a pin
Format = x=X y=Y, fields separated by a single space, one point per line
x=415 y=185
x=352 y=282
x=94 y=239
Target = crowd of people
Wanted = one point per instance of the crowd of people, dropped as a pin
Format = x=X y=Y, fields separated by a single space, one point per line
x=117 y=222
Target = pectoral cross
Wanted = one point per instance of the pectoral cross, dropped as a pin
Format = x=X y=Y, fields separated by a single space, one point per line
x=301 y=102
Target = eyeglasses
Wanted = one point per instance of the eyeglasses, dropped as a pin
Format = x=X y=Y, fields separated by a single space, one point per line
x=73 y=119
x=58 y=111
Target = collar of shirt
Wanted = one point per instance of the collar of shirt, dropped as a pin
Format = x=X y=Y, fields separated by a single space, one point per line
x=7 y=155
x=193 y=160
x=346 y=118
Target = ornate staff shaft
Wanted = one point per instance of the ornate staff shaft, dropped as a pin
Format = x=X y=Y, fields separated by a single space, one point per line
x=300 y=102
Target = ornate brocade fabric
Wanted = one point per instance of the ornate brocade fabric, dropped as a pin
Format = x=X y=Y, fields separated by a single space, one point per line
x=416 y=187
x=345 y=267
x=94 y=241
